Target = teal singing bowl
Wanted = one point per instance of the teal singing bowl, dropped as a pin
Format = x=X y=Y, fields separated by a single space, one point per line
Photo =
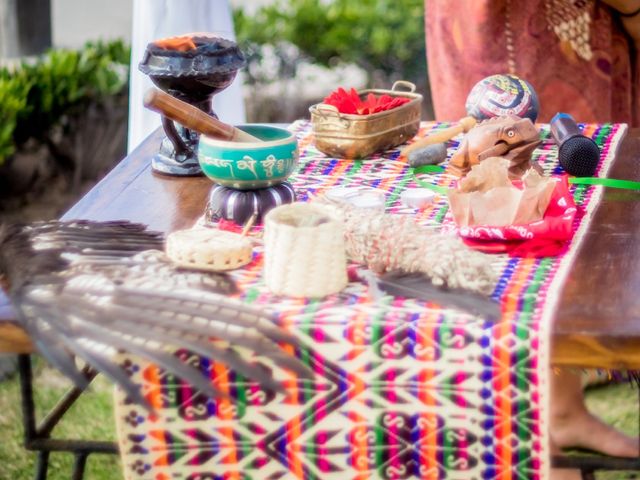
x=250 y=165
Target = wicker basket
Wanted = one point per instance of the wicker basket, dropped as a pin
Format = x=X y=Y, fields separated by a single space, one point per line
x=304 y=251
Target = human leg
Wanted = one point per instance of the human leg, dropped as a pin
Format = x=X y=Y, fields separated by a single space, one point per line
x=572 y=425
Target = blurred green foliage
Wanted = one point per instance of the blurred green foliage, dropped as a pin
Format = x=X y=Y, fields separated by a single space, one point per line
x=13 y=102
x=35 y=95
x=384 y=37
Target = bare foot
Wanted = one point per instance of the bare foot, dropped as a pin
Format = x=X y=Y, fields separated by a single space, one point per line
x=580 y=429
x=572 y=425
x=565 y=474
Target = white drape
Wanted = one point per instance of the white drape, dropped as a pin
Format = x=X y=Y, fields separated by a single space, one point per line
x=154 y=19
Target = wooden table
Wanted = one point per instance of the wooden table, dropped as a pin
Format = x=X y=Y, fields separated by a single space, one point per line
x=597 y=323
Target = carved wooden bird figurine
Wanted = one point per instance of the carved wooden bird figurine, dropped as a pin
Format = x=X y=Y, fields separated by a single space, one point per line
x=91 y=290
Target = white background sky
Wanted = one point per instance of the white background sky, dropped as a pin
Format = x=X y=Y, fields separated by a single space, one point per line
x=76 y=21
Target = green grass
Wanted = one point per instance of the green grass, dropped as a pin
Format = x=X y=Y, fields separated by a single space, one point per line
x=92 y=419
x=616 y=404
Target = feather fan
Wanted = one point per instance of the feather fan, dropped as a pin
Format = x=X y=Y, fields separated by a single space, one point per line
x=91 y=290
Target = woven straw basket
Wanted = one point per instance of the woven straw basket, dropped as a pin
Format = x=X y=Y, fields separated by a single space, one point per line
x=304 y=251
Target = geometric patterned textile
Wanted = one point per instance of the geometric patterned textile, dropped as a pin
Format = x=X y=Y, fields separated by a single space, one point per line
x=403 y=389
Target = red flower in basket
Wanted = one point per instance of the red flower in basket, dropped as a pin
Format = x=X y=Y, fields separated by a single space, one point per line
x=351 y=103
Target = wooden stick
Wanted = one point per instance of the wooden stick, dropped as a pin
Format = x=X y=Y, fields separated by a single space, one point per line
x=247 y=226
x=194 y=118
x=442 y=136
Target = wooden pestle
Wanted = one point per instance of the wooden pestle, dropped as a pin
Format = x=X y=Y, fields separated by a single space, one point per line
x=442 y=136
x=193 y=118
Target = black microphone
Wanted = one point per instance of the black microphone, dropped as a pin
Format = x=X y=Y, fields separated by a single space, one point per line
x=578 y=155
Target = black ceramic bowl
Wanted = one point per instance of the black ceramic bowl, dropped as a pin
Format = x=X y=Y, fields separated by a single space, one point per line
x=194 y=74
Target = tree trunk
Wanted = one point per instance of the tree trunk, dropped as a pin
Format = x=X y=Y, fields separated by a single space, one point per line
x=25 y=27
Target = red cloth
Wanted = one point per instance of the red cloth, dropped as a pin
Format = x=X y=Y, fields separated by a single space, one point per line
x=546 y=237
x=229 y=226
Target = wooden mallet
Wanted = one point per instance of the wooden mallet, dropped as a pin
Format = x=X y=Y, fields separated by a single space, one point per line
x=194 y=118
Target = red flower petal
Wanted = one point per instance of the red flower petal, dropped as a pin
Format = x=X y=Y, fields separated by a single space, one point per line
x=351 y=103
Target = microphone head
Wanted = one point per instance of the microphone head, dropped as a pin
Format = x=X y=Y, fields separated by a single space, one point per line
x=579 y=156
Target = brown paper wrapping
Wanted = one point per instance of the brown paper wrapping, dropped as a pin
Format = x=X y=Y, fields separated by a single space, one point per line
x=486 y=196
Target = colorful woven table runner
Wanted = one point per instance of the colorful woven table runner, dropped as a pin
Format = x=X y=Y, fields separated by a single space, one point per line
x=403 y=389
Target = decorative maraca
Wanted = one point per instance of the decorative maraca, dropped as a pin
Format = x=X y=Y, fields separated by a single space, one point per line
x=500 y=95
x=492 y=96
